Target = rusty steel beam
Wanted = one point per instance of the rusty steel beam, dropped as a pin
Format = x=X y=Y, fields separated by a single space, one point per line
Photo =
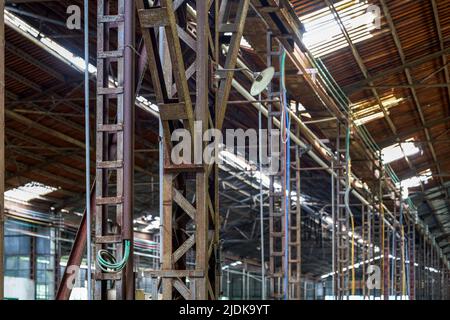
x=410 y=132
x=76 y=255
x=201 y=114
x=231 y=59
x=407 y=86
x=361 y=64
x=417 y=103
x=26 y=121
x=349 y=89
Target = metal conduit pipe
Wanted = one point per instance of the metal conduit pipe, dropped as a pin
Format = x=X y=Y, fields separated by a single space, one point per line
x=329 y=156
x=249 y=74
x=311 y=136
x=87 y=149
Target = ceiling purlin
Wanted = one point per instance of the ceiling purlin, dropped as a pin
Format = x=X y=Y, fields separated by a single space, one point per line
x=417 y=103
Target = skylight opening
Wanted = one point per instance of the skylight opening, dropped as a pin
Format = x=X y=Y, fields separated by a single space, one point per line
x=368 y=111
x=323 y=33
x=423 y=178
x=399 y=151
x=301 y=109
x=76 y=61
x=65 y=55
x=28 y=192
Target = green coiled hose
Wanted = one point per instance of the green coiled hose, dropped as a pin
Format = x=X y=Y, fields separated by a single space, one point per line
x=108 y=263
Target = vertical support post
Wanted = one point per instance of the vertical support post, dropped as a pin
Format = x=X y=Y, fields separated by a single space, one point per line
x=261 y=207
x=244 y=283
x=201 y=116
x=57 y=255
x=33 y=261
x=294 y=225
x=128 y=144
x=426 y=291
x=421 y=267
x=364 y=250
x=381 y=233
x=163 y=233
x=88 y=148
x=178 y=211
x=228 y=284
x=203 y=210
x=333 y=236
x=115 y=145
x=386 y=264
x=161 y=195
x=2 y=144
x=277 y=198
x=214 y=191
x=162 y=47
x=342 y=217
x=412 y=260
x=167 y=264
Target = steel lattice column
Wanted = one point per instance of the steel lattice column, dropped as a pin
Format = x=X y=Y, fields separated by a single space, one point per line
x=295 y=218
x=190 y=186
x=115 y=144
x=412 y=259
x=277 y=197
x=342 y=217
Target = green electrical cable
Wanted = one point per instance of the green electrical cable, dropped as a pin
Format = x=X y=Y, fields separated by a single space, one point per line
x=344 y=102
x=108 y=263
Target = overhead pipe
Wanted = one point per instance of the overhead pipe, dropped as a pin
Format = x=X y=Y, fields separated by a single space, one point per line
x=311 y=138
x=88 y=148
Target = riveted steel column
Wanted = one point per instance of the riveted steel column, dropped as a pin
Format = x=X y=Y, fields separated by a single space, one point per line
x=128 y=143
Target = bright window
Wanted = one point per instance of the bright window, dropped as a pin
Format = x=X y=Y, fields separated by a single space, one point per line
x=367 y=111
x=413 y=182
x=29 y=191
x=323 y=34
x=398 y=151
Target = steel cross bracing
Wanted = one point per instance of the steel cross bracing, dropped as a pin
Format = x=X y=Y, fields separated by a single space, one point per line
x=114 y=151
x=278 y=183
x=191 y=209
